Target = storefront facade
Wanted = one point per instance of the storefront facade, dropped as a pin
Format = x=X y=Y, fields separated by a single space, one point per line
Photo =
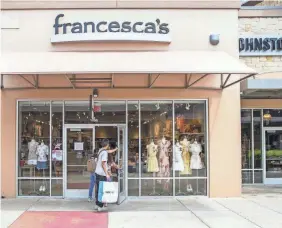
x=162 y=83
x=261 y=104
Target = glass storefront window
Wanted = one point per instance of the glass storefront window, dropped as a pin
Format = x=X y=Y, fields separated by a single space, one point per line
x=77 y=112
x=152 y=145
x=190 y=154
x=57 y=139
x=272 y=117
x=156 y=137
x=246 y=138
x=109 y=112
x=133 y=139
x=35 y=187
x=34 y=139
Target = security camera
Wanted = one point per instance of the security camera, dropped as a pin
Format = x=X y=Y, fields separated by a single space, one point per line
x=95 y=93
x=214 y=39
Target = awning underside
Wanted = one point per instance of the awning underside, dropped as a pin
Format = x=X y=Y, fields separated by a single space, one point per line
x=191 y=69
x=268 y=86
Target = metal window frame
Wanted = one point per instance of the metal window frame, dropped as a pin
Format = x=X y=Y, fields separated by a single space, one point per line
x=63 y=178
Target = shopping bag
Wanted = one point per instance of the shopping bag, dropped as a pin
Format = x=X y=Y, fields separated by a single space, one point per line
x=108 y=192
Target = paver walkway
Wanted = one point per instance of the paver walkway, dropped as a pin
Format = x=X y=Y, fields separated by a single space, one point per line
x=249 y=211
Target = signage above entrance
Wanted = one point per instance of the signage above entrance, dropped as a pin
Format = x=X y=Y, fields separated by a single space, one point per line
x=260 y=45
x=139 y=31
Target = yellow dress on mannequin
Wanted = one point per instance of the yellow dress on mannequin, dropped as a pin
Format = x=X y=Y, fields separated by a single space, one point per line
x=152 y=150
x=186 y=157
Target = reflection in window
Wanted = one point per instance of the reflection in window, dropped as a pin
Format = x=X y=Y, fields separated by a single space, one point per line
x=246 y=133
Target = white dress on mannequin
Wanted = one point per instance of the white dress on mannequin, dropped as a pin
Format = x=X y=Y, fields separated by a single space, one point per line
x=32 y=148
x=178 y=163
x=196 y=162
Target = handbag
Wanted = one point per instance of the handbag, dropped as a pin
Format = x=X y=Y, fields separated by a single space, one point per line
x=108 y=192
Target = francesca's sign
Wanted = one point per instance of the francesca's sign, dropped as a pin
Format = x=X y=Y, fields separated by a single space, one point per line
x=149 y=31
x=260 y=45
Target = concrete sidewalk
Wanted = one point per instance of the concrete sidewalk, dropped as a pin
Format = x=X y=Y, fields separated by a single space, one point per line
x=261 y=211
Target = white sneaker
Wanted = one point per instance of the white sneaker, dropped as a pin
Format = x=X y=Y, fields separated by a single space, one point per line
x=43 y=188
x=40 y=189
x=90 y=199
x=101 y=209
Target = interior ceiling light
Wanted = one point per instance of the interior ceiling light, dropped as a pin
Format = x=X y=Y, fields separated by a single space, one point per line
x=267 y=116
x=187 y=106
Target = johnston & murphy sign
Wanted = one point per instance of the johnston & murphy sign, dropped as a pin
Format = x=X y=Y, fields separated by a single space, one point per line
x=79 y=31
x=266 y=45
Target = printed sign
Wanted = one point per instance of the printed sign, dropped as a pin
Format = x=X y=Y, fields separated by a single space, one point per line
x=57 y=155
x=78 y=146
x=76 y=31
x=270 y=45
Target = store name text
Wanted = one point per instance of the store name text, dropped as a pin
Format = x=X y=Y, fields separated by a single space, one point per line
x=258 y=45
x=109 y=31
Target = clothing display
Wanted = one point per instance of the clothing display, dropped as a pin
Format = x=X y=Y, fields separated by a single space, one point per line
x=196 y=162
x=152 y=150
x=178 y=161
x=163 y=158
x=186 y=157
x=42 y=152
x=32 y=149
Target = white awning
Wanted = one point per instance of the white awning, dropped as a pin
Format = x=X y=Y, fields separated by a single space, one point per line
x=171 y=62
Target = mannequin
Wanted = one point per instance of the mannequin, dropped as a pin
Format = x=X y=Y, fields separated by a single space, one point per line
x=32 y=148
x=186 y=156
x=164 y=160
x=42 y=152
x=178 y=163
x=196 y=149
x=152 y=149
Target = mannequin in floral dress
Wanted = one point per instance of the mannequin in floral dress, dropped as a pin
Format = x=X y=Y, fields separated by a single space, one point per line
x=164 y=160
x=186 y=156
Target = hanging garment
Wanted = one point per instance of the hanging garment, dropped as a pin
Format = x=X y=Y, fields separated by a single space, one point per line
x=186 y=158
x=153 y=166
x=42 y=152
x=178 y=161
x=164 y=159
x=196 y=162
x=32 y=148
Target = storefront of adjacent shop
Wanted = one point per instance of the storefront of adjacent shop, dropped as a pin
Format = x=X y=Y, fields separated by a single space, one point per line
x=261 y=114
x=159 y=79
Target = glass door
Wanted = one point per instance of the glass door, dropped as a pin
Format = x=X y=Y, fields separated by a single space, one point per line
x=273 y=155
x=121 y=162
x=79 y=147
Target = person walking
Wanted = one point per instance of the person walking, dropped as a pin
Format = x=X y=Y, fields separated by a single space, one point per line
x=92 y=180
x=101 y=172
